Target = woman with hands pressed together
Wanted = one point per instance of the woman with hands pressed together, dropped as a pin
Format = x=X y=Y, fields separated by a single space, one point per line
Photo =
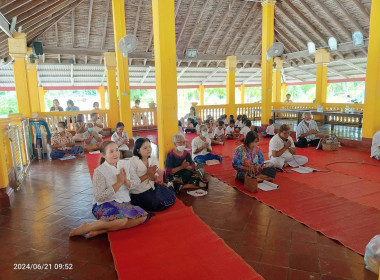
x=180 y=168
x=146 y=192
x=111 y=185
x=248 y=158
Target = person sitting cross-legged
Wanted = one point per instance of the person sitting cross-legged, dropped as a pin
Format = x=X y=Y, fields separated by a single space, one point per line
x=146 y=191
x=112 y=203
x=282 y=151
x=120 y=137
x=375 y=148
x=63 y=144
x=201 y=147
x=92 y=139
x=248 y=158
x=307 y=132
x=180 y=168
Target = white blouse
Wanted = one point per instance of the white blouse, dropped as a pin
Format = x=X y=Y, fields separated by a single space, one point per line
x=117 y=139
x=138 y=169
x=105 y=176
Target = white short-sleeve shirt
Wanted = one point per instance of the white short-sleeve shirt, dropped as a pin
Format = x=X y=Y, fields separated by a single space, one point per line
x=270 y=129
x=230 y=130
x=245 y=130
x=117 y=139
x=138 y=169
x=218 y=132
x=276 y=144
x=303 y=128
x=197 y=143
x=375 y=148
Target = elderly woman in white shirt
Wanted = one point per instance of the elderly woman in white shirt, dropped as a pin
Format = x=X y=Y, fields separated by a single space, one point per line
x=201 y=147
x=282 y=151
x=145 y=191
x=112 y=204
x=120 y=137
x=307 y=132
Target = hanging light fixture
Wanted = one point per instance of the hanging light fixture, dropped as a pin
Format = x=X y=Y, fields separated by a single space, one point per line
x=311 y=48
x=357 y=39
x=333 y=44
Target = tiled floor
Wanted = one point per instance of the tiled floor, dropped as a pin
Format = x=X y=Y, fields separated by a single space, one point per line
x=57 y=196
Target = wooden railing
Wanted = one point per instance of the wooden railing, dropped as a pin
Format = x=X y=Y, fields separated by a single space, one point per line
x=203 y=111
x=54 y=117
x=338 y=107
x=144 y=118
x=253 y=110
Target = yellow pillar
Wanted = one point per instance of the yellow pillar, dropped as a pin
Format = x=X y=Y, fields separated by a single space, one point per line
x=242 y=94
x=201 y=90
x=41 y=95
x=230 y=85
x=166 y=74
x=283 y=92
x=18 y=50
x=33 y=85
x=118 y=12
x=267 y=66
x=102 y=93
x=371 y=119
x=4 y=180
x=277 y=80
x=110 y=64
x=322 y=58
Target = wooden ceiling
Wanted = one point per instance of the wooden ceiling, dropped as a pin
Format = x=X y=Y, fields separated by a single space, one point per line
x=79 y=31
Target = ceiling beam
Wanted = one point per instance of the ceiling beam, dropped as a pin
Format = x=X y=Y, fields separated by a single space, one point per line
x=44 y=14
x=294 y=77
x=104 y=74
x=252 y=76
x=337 y=73
x=352 y=20
x=210 y=75
x=185 y=21
x=181 y=73
x=252 y=27
x=38 y=31
x=210 y=21
x=15 y=5
x=205 y=4
x=73 y=28
x=321 y=37
x=220 y=25
x=256 y=35
x=354 y=66
x=145 y=75
x=56 y=34
x=72 y=74
x=32 y=8
x=235 y=18
x=247 y=18
x=89 y=22
x=137 y=18
x=360 y=6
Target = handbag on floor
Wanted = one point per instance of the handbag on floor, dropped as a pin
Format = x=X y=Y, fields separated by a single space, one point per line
x=250 y=183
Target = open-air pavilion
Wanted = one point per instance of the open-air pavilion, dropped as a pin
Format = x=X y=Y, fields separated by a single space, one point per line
x=330 y=64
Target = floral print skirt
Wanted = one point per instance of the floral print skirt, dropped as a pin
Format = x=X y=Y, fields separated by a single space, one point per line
x=113 y=210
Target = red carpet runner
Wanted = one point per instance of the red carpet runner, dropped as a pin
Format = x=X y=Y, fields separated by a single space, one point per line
x=175 y=244
x=343 y=204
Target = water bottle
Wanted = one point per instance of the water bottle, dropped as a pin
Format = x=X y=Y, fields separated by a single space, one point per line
x=347 y=109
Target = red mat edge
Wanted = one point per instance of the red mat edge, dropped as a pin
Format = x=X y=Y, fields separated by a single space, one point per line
x=210 y=229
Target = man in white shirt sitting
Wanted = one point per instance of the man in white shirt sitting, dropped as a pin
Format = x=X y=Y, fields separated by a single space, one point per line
x=375 y=149
x=245 y=129
x=269 y=132
x=307 y=132
x=282 y=151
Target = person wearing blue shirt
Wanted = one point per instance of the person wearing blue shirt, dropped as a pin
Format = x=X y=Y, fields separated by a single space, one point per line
x=70 y=106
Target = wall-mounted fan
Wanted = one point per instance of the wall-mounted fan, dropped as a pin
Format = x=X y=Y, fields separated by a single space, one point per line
x=275 y=50
x=127 y=44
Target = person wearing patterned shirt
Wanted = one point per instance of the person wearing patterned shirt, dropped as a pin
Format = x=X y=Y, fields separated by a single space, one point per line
x=63 y=144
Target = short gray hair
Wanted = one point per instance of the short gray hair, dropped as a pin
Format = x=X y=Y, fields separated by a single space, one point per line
x=177 y=137
x=202 y=126
x=307 y=113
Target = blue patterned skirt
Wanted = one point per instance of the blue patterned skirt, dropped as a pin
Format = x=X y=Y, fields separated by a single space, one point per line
x=156 y=199
x=113 y=210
